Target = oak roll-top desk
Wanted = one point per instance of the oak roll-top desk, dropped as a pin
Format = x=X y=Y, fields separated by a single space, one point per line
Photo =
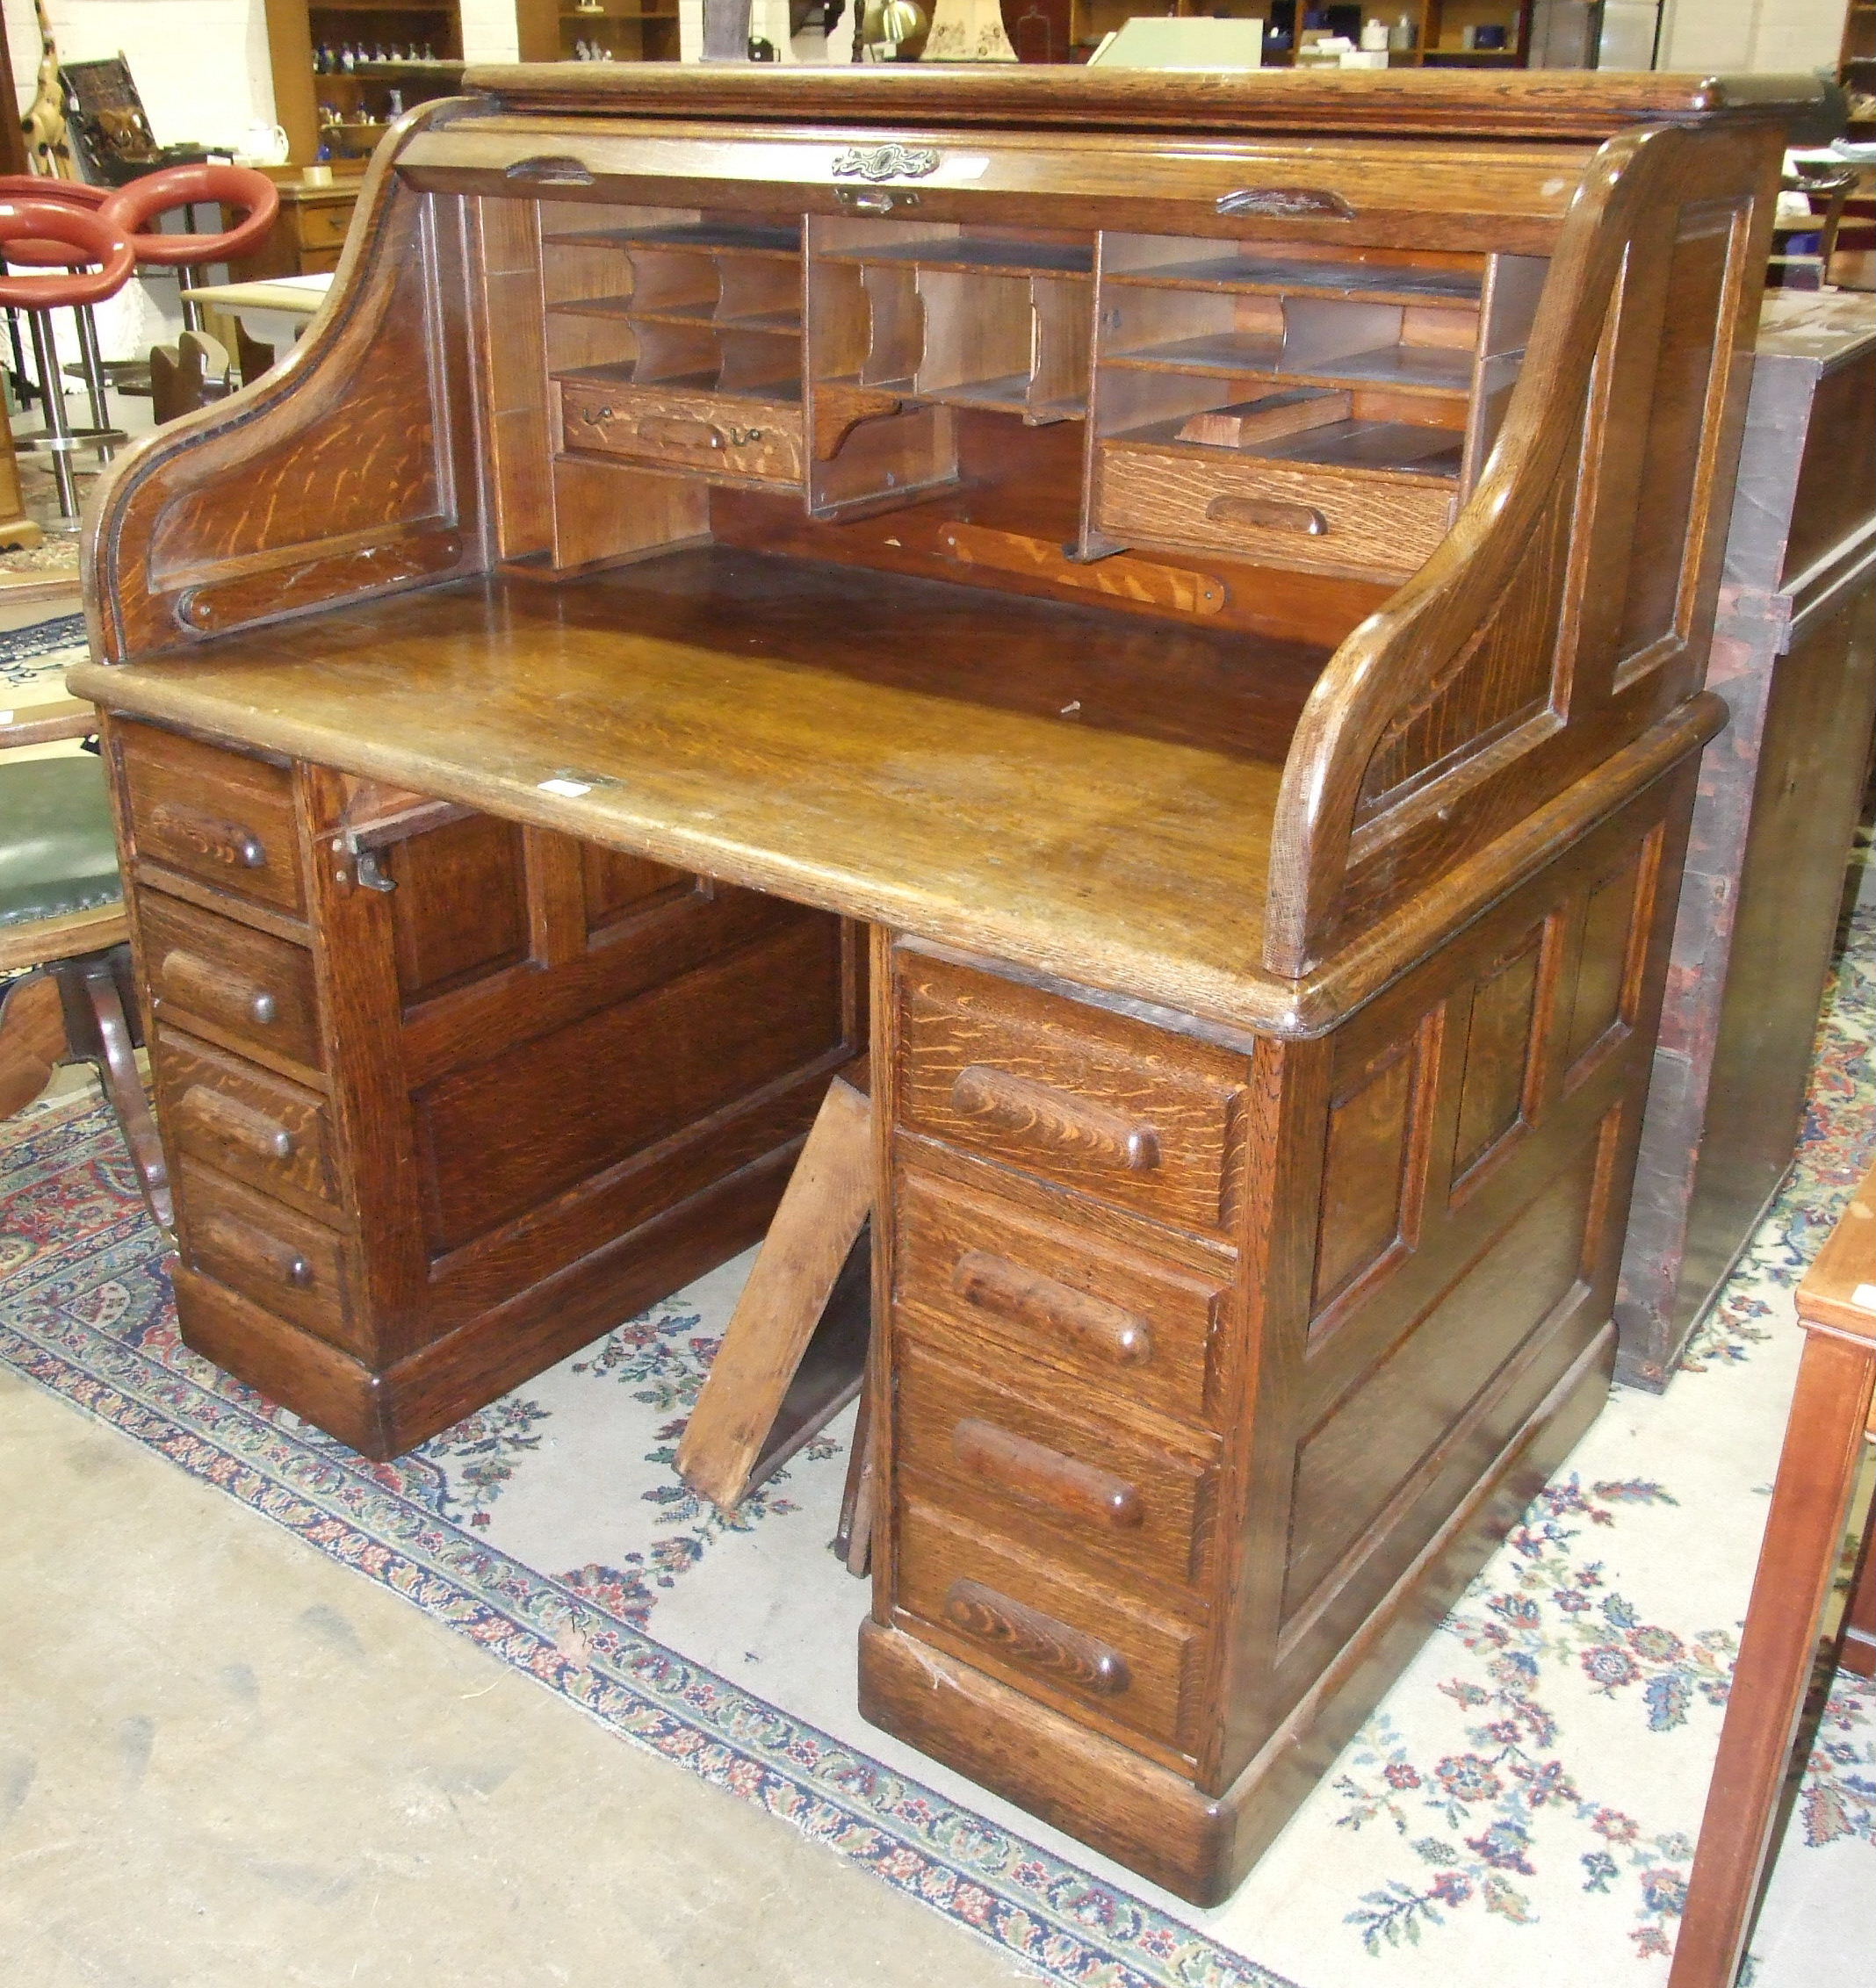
x=1183 y=599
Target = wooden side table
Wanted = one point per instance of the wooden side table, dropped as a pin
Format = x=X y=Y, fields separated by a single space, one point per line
x=1795 y=1631
x=309 y=233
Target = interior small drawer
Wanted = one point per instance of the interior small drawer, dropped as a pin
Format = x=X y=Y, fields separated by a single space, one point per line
x=713 y=434
x=216 y=815
x=1104 y=1500
x=215 y=976
x=1258 y=510
x=1111 y=1107
x=283 y=1260
x=1080 y=1643
x=1139 y=1329
x=241 y=1120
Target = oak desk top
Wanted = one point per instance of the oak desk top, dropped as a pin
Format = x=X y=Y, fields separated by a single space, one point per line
x=696 y=699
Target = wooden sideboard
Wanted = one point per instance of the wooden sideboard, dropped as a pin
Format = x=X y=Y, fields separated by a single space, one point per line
x=308 y=235
x=1172 y=609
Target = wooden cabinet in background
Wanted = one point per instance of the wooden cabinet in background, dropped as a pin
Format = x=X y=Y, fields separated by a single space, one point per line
x=308 y=237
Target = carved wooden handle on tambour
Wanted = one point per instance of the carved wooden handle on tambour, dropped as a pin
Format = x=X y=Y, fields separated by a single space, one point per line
x=254 y=1251
x=1267 y=514
x=1027 y=1637
x=200 y=985
x=1037 y=1114
x=236 y=1124
x=1025 y=1297
x=222 y=841
x=673 y=432
x=1032 y=1471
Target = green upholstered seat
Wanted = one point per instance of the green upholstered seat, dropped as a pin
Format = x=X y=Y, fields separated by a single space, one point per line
x=58 y=853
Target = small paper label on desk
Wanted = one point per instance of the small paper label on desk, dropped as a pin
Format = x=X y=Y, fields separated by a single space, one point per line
x=569 y=790
x=1863 y=1297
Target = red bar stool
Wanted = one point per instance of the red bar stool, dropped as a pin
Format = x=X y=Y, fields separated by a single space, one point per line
x=135 y=206
x=98 y=243
x=53 y=254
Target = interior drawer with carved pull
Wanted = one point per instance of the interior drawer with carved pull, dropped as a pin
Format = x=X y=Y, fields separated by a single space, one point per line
x=1305 y=518
x=1086 y=1310
x=284 y=1261
x=219 y=815
x=227 y=981
x=1096 y=1101
x=720 y=434
x=1076 y=1641
x=239 y=1120
x=1076 y=1486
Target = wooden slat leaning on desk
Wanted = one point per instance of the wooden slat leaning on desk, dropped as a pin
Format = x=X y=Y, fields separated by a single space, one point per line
x=728 y=546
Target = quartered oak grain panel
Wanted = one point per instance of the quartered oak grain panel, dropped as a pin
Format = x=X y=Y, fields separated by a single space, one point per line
x=227 y=981
x=1370 y=1183
x=460 y=910
x=1035 y=1464
x=502 y=1137
x=244 y=1121
x=1097 y=1102
x=1133 y=1326
x=1075 y=1642
x=216 y=815
x=1500 y=1040
x=615 y=884
x=281 y=1259
x=1604 y=991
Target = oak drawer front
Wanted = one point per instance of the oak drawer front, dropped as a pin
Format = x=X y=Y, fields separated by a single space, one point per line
x=711 y=433
x=1136 y=1327
x=285 y=1261
x=1076 y=1641
x=216 y=815
x=326 y=226
x=1300 y=516
x=241 y=1120
x=247 y=985
x=1102 y=1500
x=1102 y=1104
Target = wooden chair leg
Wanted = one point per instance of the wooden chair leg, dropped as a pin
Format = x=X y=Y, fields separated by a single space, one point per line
x=1773 y=1678
x=1859 y=1626
x=32 y=1038
x=99 y=1029
x=744 y=1423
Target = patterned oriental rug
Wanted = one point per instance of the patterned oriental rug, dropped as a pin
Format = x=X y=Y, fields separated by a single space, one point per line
x=1521 y=1808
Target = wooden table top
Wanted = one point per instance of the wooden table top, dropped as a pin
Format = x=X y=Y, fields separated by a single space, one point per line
x=1085 y=793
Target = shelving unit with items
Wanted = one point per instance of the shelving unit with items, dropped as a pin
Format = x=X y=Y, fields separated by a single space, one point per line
x=625 y=31
x=330 y=110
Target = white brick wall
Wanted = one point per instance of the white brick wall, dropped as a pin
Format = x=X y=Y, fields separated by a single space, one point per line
x=1751 y=35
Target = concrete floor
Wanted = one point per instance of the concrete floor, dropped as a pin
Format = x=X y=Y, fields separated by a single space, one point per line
x=227 y=1762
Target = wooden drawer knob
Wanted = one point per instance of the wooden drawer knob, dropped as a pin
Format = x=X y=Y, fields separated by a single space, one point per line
x=995 y=1285
x=1038 y=1114
x=1032 y=1471
x=229 y=1119
x=669 y=432
x=1267 y=514
x=208 y=989
x=1026 y=1636
x=219 y=841
x=252 y=1249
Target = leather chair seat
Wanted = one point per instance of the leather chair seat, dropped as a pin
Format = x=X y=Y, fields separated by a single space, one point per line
x=58 y=852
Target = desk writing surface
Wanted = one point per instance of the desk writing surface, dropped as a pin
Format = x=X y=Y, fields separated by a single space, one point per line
x=1088 y=793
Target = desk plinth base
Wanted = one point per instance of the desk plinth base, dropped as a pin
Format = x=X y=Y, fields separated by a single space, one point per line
x=1200 y=1846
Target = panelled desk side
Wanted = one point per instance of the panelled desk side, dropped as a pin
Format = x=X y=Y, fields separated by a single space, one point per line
x=1257 y=863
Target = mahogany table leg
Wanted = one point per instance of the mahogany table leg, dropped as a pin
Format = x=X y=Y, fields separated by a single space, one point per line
x=1810 y=1504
